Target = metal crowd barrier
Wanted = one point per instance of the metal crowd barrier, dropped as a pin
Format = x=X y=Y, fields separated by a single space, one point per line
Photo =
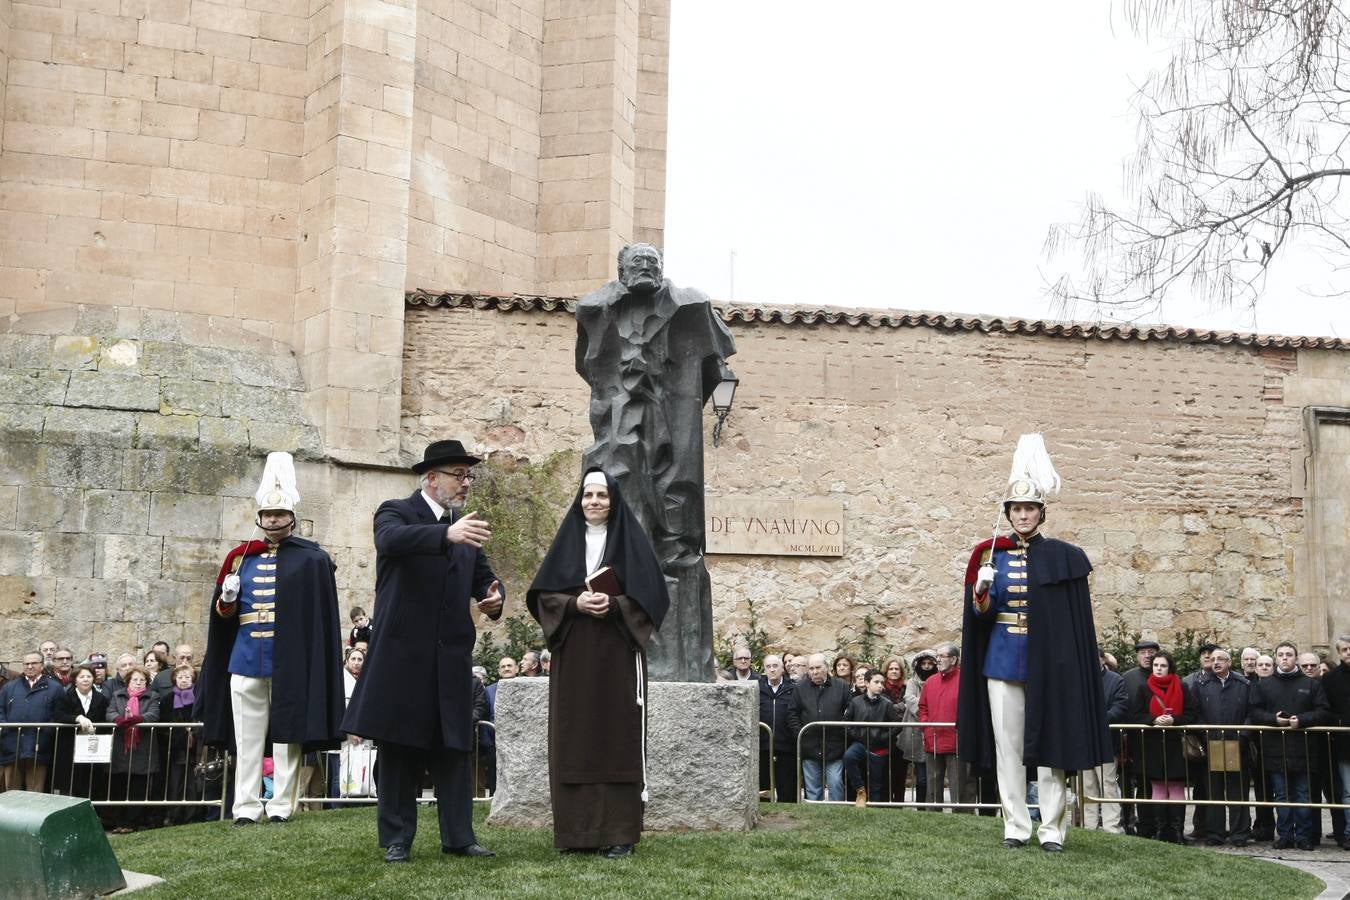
x=1240 y=756
x=165 y=751
x=954 y=804
x=772 y=793
x=181 y=780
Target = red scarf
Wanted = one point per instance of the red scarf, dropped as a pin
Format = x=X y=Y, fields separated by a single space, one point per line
x=895 y=690
x=131 y=736
x=1166 y=695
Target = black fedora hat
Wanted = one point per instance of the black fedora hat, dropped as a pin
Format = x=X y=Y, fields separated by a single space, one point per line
x=439 y=453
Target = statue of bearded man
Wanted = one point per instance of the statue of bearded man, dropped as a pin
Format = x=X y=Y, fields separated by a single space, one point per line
x=652 y=354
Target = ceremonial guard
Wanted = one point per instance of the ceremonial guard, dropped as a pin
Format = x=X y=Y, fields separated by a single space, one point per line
x=273 y=652
x=1032 y=696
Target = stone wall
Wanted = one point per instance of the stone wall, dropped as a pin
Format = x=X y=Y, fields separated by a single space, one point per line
x=1182 y=461
x=132 y=445
x=296 y=167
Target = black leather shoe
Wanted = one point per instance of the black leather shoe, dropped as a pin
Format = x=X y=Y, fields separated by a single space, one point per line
x=471 y=850
x=1213 y=842
x=278 y=820
x=397 y=853
x=1303 y=845
x=1013 y=843
x=618 y=851
x=243 y=821
x=1052 y=847
x=1282 y=844
x=1239 y=842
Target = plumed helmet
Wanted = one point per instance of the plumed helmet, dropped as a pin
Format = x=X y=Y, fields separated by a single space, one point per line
x=277 y=490
x=1023 y=490
x=1033 y=478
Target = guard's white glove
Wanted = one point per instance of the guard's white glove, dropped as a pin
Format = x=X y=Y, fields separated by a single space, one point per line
x=984 y=579
x=229 y=588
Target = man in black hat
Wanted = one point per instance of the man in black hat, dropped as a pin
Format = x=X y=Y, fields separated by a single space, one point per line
x=1141 y=820
x=415 y=694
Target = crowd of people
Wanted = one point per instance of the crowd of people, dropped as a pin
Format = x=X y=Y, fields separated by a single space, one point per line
x=1283 y=689
x=166 y=764
x=1227 y=759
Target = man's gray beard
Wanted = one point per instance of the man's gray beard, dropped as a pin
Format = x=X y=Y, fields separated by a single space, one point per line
x=454 y=503
x=641 y=285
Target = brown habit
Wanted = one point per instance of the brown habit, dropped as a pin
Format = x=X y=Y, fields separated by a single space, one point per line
x=594 y=721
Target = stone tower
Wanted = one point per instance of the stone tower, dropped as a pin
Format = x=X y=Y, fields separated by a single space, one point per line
x=210 y=214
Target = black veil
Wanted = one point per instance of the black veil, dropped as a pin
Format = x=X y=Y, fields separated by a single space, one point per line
x=628 y=551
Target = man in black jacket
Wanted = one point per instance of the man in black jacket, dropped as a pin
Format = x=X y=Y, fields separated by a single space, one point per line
x=1291 y=700
x=775 y=695
x=415 y=695
x=819 y=698
x=1142 y=819
x=1336 y=684
x=1222 y=697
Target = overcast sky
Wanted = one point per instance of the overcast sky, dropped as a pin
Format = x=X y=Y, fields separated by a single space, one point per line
x=908 y=155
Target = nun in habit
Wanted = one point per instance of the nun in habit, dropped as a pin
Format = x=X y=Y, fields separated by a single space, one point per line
x=598 y=683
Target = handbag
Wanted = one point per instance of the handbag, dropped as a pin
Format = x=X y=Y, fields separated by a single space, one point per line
x=358 y=766
x=210 y=769
x=93 y=748
x=1192 y=747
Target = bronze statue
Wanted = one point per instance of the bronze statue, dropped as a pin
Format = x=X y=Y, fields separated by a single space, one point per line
x=652 y=354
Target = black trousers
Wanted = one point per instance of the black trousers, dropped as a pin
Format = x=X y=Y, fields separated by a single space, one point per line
x=400 y=783
x=1229 y=786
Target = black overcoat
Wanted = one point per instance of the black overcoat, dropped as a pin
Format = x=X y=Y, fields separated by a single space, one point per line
x=416 y=687
x=1065 y=709
x=307 y=657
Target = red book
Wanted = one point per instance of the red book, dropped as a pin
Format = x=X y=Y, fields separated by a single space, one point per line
x=604 y=581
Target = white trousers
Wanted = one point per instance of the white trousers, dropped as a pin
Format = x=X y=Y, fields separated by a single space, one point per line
x=252 y=702
x=1095 y=781
x=1007 y=708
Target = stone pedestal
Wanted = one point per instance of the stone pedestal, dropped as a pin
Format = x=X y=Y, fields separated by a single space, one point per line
x=702 y=756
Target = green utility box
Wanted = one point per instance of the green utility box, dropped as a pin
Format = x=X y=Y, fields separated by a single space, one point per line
x=53 y=846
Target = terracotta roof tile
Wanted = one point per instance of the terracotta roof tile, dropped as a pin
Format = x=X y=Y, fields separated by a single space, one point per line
x=876 y=318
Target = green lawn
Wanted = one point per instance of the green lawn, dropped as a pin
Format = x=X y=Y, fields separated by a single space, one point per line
x=819 y=852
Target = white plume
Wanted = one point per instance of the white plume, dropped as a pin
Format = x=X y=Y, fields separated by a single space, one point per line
x=278 y=475
x=1032 y=462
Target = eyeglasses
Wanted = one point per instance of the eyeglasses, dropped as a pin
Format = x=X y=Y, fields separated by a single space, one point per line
x=461 y=477
x=1308 y=665
x=62 y=658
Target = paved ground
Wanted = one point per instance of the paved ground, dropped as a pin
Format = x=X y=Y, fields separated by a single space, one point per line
x=1328 y=862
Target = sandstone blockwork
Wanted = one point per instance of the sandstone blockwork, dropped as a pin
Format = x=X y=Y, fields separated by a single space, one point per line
x=1185 y=461
x=224 y=230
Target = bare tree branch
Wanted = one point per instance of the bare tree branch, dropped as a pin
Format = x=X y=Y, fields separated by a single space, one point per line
x=1240 y=156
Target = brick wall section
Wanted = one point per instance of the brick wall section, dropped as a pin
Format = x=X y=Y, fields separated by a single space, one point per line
x=151 y=157
x=6 y=16
x=1178 y=459
x=295 y=166
x=587 y=151
x=475 y=191
x=354 y=222
x=653 y=94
